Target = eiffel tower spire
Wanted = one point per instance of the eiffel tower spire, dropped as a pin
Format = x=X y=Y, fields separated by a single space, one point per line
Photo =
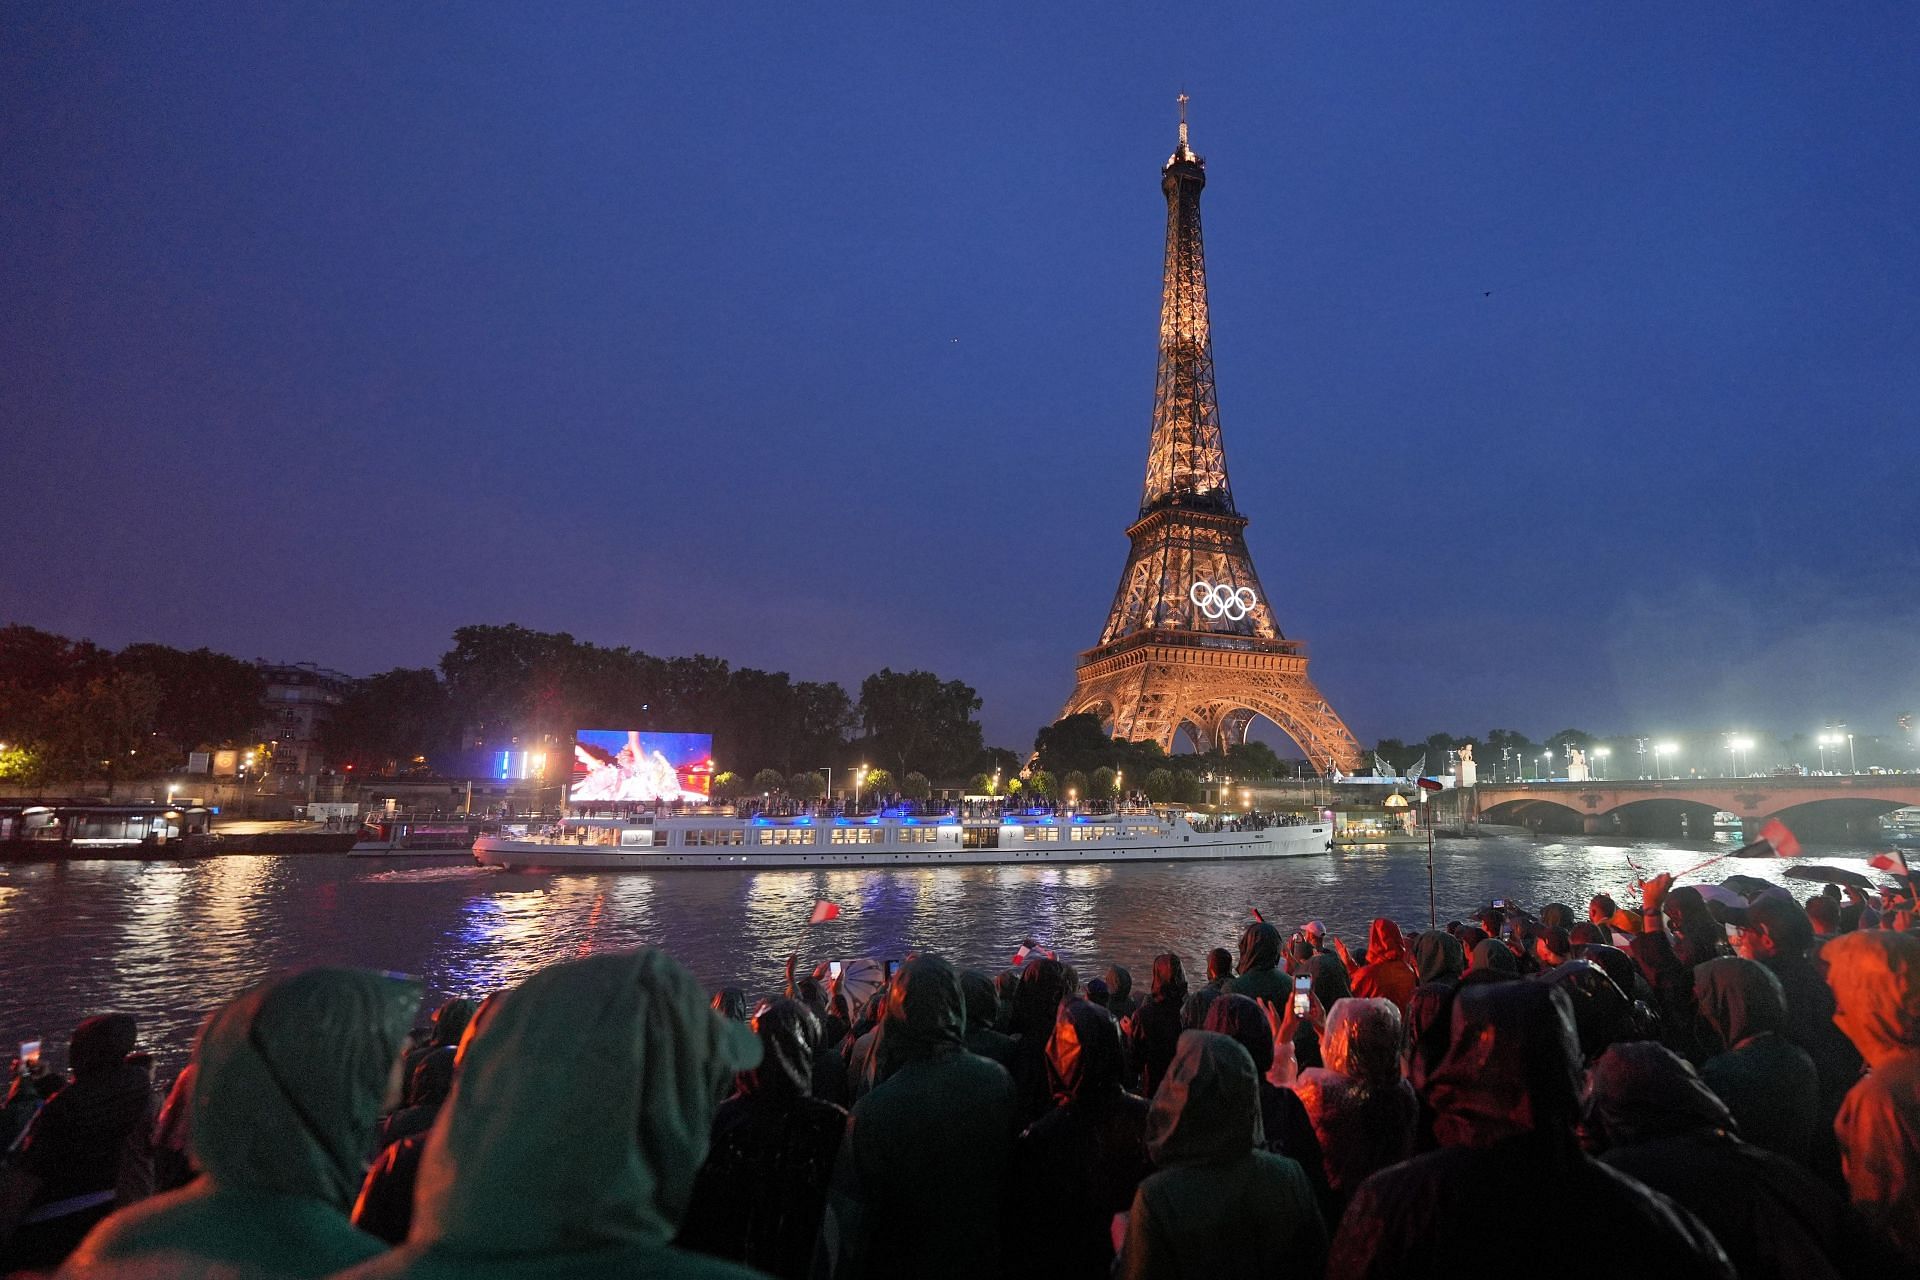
x=1191 y=642
x=1186 y=464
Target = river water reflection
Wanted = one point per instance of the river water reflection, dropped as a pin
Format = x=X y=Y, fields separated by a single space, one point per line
x=167 y=941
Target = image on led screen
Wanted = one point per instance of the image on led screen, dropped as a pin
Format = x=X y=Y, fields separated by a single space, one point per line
x=627 y=765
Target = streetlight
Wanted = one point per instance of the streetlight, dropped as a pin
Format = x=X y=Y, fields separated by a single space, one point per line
x=859 y=776
x=1600 y=754
x=1740 y=745
x=1853 y=765
x=829 y=769
x=1663 y=749
x=1546 y=765
x=1073 y=798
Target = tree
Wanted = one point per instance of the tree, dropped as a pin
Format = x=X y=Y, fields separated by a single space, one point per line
x=806 y=786
x=1159 y=785
x=1077 y=742
x=1041 y=783
x=914 y=719
x=728 y=785
x=206 y=698
x=1575 y=738
x=916 y=786
x=1186 y=787
x=388 y=719
x=1076 y=783
x=769 y=781
x=983 y=784
x=878 y=782
x=1105 y=782
x=1252 y=760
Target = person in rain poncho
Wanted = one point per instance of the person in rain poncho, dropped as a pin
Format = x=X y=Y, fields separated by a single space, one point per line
x=1510 y=1175
x=1082 y=1160
x=1388 y=973
x=1218 y=1205
x=921 y=1182
x=1363 y=1112
x=763 y=1189
x=1875 y=976
x=290 y=1082
x=1257 y=973
x=1768 y=1082
x=983 y=1007
x=577 y=1124
x=1664 y=1127
x=1283 y=1117
x=1438 y=957
x=88 y=1150
x=1154 y=1028
x=1044 y=983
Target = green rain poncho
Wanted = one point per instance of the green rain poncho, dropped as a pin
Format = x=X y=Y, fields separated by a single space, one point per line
x=573 y=1135
x=290 y=1081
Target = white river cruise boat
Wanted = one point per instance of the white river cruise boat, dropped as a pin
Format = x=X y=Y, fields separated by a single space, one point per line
x=650 y=842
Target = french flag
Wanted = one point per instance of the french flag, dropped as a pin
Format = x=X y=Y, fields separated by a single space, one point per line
x=824 y=911
x=1776 y=834
x=1892 y=861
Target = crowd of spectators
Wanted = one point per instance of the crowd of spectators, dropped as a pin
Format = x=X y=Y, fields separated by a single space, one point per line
x=1703 y=1084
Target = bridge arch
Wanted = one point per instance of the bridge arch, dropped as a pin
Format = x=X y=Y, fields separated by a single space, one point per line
x=1834 y=818
x=1665 y=816
x=1540 y=814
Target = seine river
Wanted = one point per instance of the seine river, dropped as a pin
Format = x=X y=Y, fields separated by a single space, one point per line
x=166 y=941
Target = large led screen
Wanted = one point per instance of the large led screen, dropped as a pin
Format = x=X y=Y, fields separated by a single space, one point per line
x=627 y=765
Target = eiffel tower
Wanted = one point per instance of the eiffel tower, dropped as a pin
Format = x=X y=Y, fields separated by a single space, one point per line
x=1191 y=642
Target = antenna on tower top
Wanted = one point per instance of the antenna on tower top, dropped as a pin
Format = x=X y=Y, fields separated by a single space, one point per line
x=1183 y=120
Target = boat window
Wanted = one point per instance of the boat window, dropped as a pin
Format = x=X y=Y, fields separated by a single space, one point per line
x=1089 y=833
x=980 y=838
x=855 y=835
x=1041 y=834
x=917 y=835
x=787 y=835
x=636 y=836
x=716 y=835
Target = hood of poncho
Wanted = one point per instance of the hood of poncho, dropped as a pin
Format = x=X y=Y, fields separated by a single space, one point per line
x=1642 y=1091
x=1207 y=1108
x=582 y=1110
x=289 y=1081
x=1739 y=998
x=1875 y=976
x=1439 y=956
x=1511 y=1067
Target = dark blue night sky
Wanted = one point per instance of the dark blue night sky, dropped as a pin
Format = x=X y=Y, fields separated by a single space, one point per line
x=1569 y=356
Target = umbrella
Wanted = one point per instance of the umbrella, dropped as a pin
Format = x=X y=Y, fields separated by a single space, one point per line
x=1717 y=893
x=1746 y=885
x=859 y=980
x=1834 y=875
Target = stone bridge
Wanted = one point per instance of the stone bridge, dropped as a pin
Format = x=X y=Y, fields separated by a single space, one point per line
x=1820 y=807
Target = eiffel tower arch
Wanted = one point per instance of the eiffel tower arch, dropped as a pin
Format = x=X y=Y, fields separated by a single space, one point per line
x=1191 y=643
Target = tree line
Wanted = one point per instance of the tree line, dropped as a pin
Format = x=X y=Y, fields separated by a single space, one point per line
x=71 y=709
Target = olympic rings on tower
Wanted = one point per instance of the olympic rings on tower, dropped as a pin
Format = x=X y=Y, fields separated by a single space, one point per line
x=1222 y=601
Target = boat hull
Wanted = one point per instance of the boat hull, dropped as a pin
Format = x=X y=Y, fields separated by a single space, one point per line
x=1301 y=841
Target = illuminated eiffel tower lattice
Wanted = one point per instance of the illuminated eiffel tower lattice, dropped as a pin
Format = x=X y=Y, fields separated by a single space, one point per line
x=1191 y=642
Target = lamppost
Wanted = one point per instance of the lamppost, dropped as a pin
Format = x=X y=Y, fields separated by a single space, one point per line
x=1640 y=746
x=1119 y=789
x=1663 y=749
x=1599 y=757
x=1825 y=740
x=1853 y=765
x=829 y=770
x=1546 y=765
x=859 y=776
x=1740 y=745
x=1073 y=798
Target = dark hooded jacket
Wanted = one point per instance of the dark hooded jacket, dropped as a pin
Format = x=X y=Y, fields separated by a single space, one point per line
x=1154 y=1029
x=983 y=1010
x=1810 y=1015
x=1768 y=1083
x=90 y=1146
x=1438 y=957
x=1327 y=978
x=1085 y=1157
x=1219 y=1205
x=432 y=1080
x=289 y=1082
x=1666 y=1128
x=1510 y=1174
x=449 y=1024
x=1388 y=973
x=1043 y=985
x=1257 y=972
x=1122 y=1001
x=1601 y=1013
x=577 y=1126
x=920 y=1183
x=762 y=1192
x=1491 y=960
